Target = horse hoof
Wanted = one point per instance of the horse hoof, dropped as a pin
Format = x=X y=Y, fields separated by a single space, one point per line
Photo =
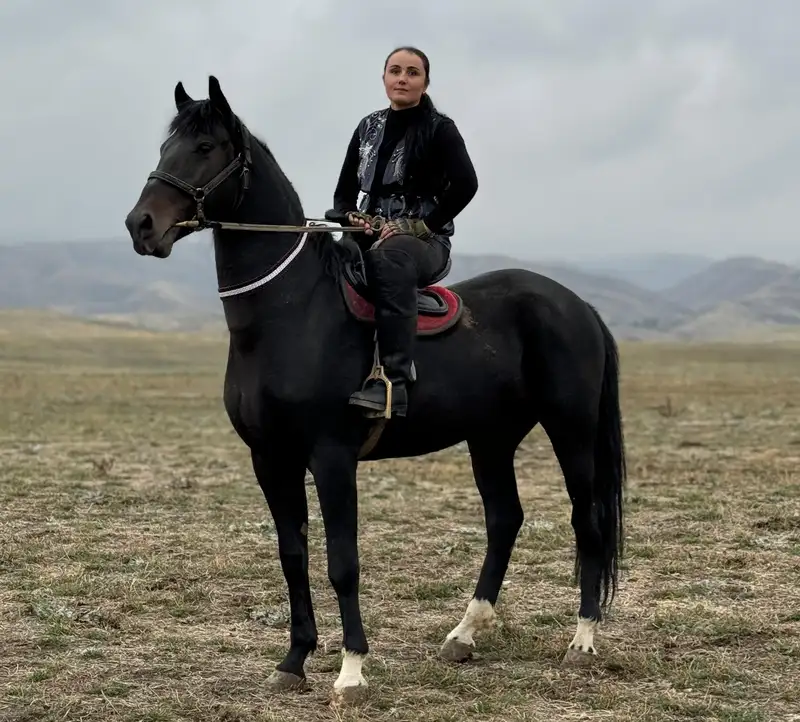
x=280 y=681
x=351 y=694
x=577 y=658
x=455 y=651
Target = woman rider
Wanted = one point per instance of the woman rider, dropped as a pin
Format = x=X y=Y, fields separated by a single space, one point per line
x=412 y=166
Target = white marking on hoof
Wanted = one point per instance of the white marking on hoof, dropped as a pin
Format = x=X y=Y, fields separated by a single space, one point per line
x=350 y=686
x=460 y=642
x=581 y=651
x=280 y=681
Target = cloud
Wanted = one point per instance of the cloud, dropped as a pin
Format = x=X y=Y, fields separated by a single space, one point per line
x=594 y=127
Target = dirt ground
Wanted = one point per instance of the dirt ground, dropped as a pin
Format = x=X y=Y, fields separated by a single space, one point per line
x=139 y=576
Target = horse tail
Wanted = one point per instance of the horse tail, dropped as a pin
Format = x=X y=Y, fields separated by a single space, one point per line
x=610 y=467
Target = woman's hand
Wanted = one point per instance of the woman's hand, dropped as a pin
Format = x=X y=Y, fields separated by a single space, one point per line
x=361 y=219
x=404 y=226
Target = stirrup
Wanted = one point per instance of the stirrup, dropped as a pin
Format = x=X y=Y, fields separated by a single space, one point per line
x=379 y=374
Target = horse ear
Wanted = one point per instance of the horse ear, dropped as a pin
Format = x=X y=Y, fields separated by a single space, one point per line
x=181 y=96
x=218 y=98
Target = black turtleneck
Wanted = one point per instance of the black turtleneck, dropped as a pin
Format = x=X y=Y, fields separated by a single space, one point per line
x=448 y=154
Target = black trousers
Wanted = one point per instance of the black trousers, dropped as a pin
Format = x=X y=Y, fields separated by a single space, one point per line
x=400 y=265
x=395 y=270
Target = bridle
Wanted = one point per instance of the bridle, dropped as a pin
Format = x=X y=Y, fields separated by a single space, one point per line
x=243 y=160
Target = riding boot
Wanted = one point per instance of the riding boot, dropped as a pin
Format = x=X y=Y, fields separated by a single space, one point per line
x=393 y=277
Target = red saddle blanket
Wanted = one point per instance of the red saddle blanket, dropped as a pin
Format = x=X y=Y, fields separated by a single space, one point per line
x=427 y=325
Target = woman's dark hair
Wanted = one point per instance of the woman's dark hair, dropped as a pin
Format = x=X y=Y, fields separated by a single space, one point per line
x=420 y=134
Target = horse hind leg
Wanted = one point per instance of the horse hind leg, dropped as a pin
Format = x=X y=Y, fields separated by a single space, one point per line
x=493 y=467
x=595 y=523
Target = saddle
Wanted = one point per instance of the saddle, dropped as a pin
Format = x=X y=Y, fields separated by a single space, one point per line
x=438 y=308
x=430 y=300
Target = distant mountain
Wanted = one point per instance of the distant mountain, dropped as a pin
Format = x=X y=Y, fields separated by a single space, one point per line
x=108 y=281
x=653 y=271
x=730 y=280
x=743 y=297
x=632 y=311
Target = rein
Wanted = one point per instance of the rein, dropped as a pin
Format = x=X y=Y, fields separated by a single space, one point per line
x=317 y=224
x=244 y=162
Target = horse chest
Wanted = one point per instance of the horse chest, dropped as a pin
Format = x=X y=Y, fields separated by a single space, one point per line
x=262 y=399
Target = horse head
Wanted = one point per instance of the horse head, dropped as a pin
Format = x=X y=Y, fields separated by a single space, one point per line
x=203 y=168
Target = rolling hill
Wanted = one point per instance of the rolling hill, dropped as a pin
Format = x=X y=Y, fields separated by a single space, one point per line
x=730 y=280
x=629 y=309
x=108 y=280
x=653 y=271
x=708 y=300
x=741 y=297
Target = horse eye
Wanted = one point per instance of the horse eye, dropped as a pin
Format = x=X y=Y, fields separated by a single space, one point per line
x=205 y=147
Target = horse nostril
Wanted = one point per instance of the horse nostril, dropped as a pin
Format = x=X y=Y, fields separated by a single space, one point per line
x=139 y=223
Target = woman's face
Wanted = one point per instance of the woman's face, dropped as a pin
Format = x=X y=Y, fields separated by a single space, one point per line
x=404 y=79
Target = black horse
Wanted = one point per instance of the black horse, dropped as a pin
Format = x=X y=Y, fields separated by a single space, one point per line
x=521 y=350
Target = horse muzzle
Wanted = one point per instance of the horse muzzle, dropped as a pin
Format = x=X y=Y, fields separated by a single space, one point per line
x=148 y=236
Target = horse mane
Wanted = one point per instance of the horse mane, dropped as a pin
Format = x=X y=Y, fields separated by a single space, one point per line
x=201 y=117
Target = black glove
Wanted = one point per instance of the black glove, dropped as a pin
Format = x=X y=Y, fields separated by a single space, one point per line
x=411 y=227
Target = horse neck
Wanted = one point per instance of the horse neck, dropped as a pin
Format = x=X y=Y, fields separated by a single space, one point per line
x=244 y=257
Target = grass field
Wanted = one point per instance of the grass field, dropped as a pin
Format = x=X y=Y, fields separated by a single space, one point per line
x=139 y=577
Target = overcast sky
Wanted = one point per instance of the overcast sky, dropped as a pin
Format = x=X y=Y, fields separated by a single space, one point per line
x=595 y=127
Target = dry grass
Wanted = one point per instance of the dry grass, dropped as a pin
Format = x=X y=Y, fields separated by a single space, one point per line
x=139 y=578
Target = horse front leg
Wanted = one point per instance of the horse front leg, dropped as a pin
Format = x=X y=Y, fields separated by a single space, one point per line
x=281 y=476
x=334 y=469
